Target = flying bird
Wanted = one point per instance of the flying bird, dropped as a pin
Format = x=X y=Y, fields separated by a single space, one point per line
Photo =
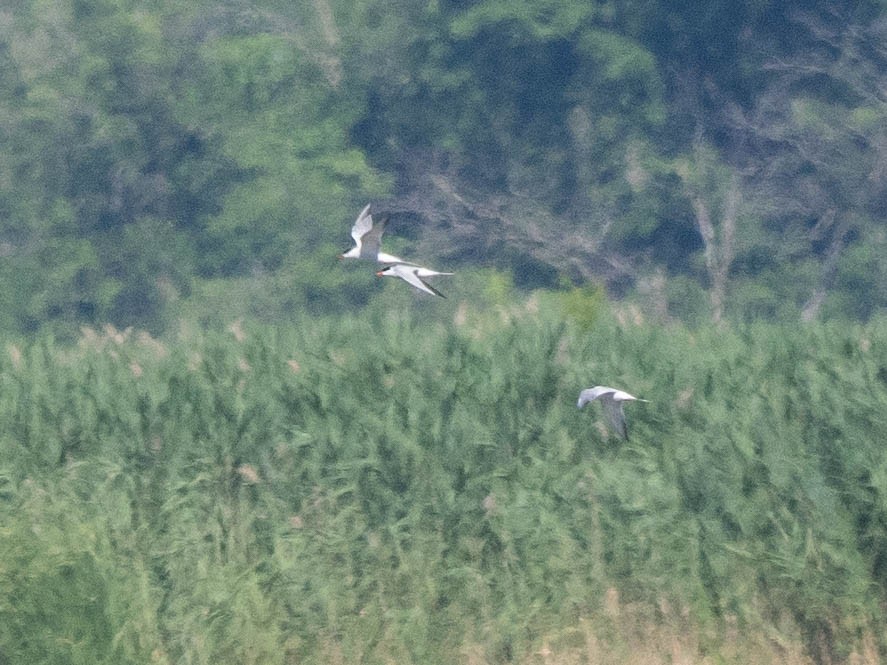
x=368 y=239
x=612 y=400
x=413 y=275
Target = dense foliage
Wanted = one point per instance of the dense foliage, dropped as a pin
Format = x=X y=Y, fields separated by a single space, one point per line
x=723 y=161
x=421 y=489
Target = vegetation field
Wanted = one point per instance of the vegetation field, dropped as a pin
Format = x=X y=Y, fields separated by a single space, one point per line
x=411 y=488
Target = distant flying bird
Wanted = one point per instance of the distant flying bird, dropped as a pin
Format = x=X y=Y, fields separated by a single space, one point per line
x=413 y=275
x=368 y=240
x=612 y=400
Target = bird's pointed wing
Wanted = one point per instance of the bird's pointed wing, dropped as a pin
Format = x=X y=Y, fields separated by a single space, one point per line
x=616 y=415
x=362 y=225
x=410 y=275
x=372 y=239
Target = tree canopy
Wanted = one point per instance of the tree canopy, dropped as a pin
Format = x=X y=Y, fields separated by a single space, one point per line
x=718 y=162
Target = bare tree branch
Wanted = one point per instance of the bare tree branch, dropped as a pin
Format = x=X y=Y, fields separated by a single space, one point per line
x=484 y=225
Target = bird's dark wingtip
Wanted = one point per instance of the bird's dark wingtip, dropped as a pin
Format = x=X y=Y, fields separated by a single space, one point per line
x=433 y=290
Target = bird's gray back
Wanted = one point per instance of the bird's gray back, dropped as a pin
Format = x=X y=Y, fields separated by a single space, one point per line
x=591 y=394
x=372 y=239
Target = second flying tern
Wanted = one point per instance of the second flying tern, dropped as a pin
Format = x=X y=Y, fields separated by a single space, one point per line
x=413 y=275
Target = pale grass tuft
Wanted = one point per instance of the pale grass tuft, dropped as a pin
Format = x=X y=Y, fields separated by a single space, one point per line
x=297 y=522
x=611 y=603
x=155 y=346
x=135 y=368
x=460 y=318
x=110 y=338
x=489 y=505
x=592 y=644
x=15 y=355
x=562 y=357
x=684 y=398
x=159 y=657
x=118 y=337
x=631 y=634
x=88 y=337
x=868 y=654
x=249 y=474
x=628 y=315
x=473 y=654
x=294 y=365
x=236 y=329
x=331 y=651
x=682 y=653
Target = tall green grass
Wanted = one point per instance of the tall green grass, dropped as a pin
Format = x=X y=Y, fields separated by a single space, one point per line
x=409 y=488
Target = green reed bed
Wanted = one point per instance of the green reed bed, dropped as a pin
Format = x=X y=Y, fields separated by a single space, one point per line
x=400 y=488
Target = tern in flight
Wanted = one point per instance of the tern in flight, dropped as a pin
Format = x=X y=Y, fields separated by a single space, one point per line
x=368 y=239
x=612 y=400
x=413 y=275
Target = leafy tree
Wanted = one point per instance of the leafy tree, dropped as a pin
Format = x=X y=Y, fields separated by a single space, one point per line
x=155 y=155
x=94 y=149
x=147 y=145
